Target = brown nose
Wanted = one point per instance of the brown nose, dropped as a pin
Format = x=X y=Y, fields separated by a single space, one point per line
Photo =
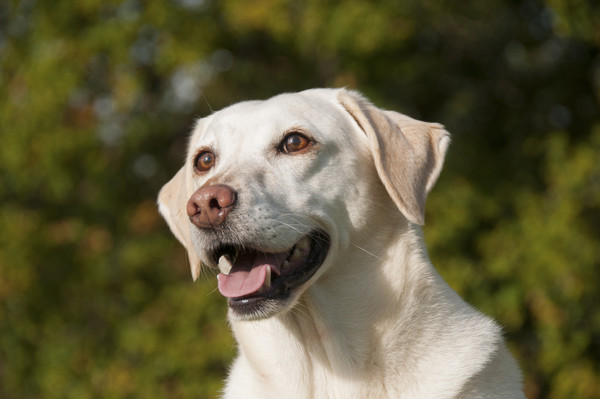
x=208 y=206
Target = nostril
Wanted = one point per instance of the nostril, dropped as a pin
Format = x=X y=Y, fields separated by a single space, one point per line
x=192 y=207
x=214 y=204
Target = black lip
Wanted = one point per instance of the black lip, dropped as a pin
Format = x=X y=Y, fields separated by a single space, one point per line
x=281 y=286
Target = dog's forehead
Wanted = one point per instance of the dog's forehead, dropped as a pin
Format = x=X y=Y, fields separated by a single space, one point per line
x=259 y=122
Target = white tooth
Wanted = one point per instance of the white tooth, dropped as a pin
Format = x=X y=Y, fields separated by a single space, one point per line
x=267 y=284
x=296 y=255
x=303 y=243
x=285 y=266
x=225 y=264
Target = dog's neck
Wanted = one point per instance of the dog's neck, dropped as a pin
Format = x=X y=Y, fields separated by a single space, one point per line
x=353 y=318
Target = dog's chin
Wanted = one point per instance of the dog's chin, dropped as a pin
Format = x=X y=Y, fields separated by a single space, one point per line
x=284 y=284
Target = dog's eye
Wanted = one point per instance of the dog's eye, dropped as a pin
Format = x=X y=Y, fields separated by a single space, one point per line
x=295 y=142
x=204 y=161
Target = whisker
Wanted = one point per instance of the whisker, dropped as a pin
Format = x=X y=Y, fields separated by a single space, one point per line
x=367 y=252
x=213 y=291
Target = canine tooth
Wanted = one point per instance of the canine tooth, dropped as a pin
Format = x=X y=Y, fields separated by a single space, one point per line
x=303 y=243
x=285 y=266
x=225 y=264
x=296 y=255
x=267 y=284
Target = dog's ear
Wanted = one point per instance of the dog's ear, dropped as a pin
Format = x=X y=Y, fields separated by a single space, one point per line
x=172 y=201
x=408 y=153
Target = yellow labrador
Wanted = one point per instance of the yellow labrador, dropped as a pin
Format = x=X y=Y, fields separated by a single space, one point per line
x=309 y=206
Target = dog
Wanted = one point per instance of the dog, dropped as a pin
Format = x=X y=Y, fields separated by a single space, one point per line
x=309 y=205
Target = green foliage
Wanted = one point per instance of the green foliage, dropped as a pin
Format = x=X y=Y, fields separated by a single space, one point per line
x=535 y=269
x=97 y=101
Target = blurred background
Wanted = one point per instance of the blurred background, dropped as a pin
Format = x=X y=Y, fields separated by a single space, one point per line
x=97 y=99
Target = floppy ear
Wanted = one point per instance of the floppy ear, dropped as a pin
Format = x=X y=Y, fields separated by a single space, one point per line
x=172 y=201
x=408 y=153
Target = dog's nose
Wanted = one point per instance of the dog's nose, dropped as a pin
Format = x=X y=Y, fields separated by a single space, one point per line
x=208 y=207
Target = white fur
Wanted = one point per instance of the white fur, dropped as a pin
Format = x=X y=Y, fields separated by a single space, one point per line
x=376 y=320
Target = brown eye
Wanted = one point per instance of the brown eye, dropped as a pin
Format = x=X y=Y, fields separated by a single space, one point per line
x=204 y=161
x=295 y=142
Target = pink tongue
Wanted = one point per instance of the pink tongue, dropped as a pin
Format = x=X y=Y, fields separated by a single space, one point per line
x=248 y=273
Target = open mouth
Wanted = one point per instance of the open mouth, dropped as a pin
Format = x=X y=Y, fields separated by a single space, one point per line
x=249 y=276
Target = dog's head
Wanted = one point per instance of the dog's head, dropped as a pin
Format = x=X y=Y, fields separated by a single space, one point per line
x=272 y=190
